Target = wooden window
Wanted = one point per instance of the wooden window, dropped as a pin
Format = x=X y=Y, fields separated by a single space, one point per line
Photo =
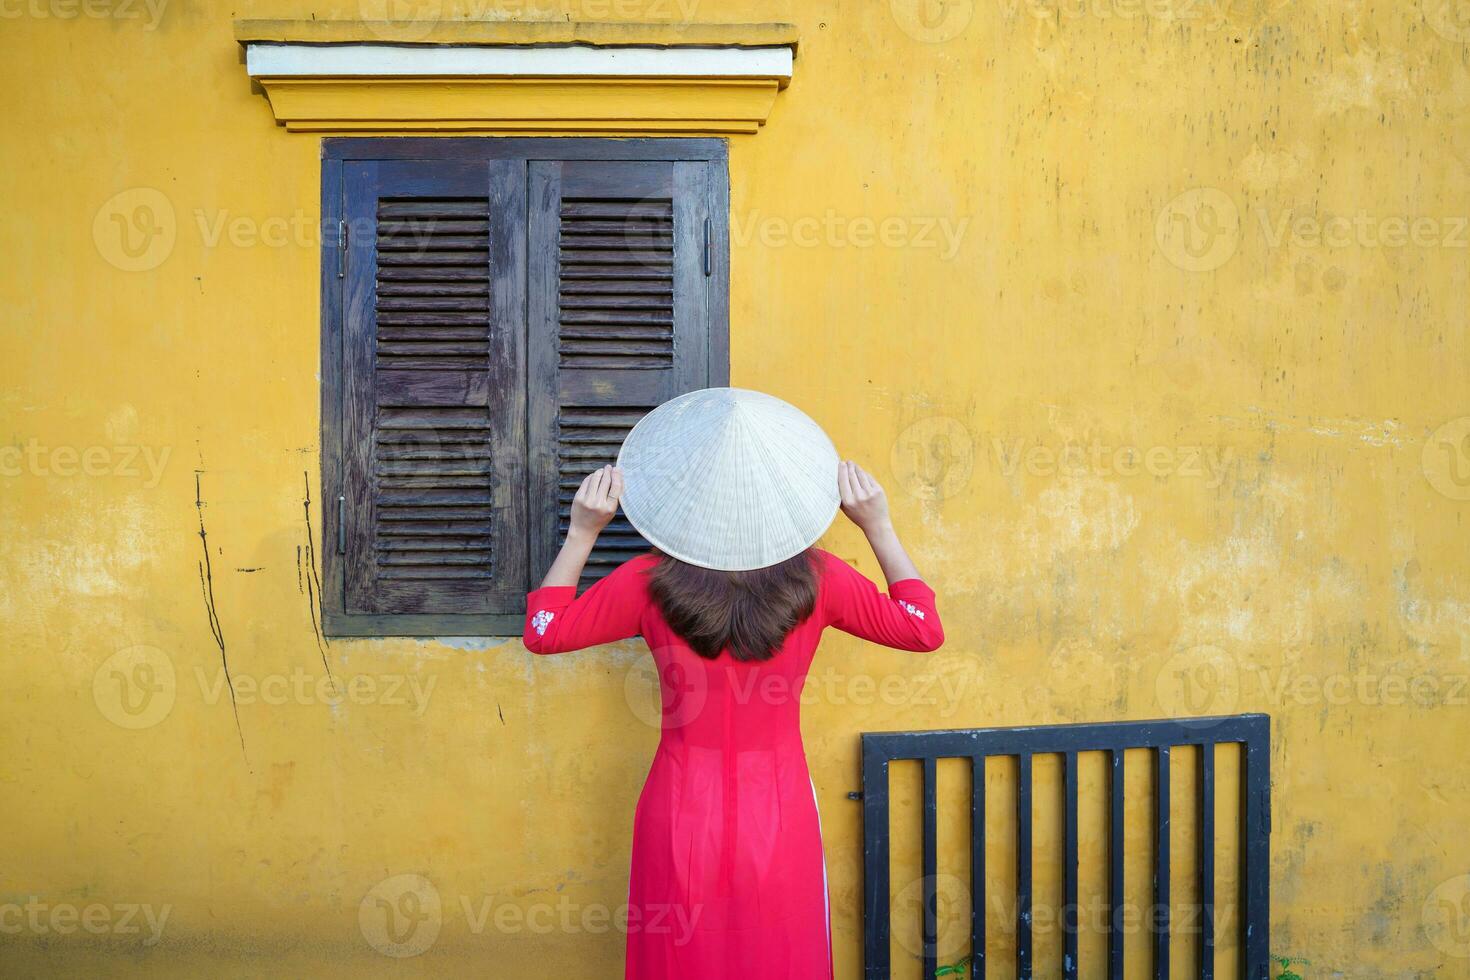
x=497 y=314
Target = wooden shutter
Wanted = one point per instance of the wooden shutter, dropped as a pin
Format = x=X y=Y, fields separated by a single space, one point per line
x=433 y=446
x=625 y=291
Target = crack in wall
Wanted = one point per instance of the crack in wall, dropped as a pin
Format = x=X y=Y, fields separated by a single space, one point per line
x=313 y=580
x=206 y=588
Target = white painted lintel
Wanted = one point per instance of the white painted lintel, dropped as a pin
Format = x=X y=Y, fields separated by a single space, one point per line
x=273 y=60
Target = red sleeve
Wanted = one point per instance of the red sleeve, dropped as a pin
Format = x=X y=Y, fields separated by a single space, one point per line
x=905 y=619
x=558 y=620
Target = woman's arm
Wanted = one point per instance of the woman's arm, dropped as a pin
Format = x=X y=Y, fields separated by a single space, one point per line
x=907 y=618
x=557 y=619
x=593 y=507
x=866 y=505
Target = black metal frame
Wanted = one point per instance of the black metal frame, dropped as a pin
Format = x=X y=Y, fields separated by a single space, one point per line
x=1251 y=731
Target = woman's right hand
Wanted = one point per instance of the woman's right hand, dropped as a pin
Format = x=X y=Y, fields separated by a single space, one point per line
x=596 y=502
x=863 y=500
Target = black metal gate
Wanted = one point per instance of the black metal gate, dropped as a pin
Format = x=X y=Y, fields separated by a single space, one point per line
x=1252 y=732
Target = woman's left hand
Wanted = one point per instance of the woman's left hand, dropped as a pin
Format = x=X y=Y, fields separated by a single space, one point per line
x=596 y=501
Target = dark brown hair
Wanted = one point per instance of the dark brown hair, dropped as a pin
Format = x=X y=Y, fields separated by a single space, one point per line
x=748 y=613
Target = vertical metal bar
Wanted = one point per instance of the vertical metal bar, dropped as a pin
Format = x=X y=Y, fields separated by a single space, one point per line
x=1160 y=919
x=977 y=866
x=1115 y=866
x=709 y=259
x=875 y=864
x=1070 y=912
x=1023 y=868
x=341 y=524
x=1255 y=852
x=931 y=865
x=1206 y=861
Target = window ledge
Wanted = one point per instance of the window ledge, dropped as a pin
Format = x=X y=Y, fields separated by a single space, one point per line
x=504 y=77
x=490 y=626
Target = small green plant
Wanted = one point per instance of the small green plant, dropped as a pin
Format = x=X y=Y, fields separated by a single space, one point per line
x=955 y=969
x=1286 y=963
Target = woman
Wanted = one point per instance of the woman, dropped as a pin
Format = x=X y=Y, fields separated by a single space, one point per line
x=728 y=879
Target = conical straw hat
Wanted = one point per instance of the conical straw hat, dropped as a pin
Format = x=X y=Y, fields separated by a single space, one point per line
x=728 y=478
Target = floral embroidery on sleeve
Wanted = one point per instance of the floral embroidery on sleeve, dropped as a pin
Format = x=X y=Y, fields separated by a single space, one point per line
x=541 y=620
x=912 y=609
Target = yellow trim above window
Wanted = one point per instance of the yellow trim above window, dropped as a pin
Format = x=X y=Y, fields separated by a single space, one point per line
x=518 y=77
x=520 y=105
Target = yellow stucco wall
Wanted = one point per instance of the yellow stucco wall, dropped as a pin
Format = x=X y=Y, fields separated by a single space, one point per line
x=1225 y=241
